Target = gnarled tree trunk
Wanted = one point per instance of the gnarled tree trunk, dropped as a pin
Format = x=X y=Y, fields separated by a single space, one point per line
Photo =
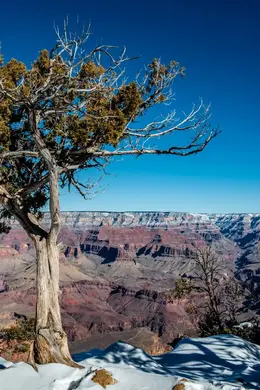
x=50 y=343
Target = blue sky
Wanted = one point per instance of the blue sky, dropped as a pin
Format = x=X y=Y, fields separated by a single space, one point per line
x=218 y=43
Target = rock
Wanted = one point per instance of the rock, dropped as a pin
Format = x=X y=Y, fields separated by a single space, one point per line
x=116 y=270
x=15 y=351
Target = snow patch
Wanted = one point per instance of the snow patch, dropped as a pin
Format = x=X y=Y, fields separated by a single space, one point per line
x=222 y=362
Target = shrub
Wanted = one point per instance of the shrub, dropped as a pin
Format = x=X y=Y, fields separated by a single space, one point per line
x=191 y=309
x=183 y=287
x=21 y=348
x=210 y=324
x=23 y=330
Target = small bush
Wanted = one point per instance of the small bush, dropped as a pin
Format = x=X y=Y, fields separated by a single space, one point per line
x=21 y=348
x=23 y=330
x=210 y=324
x=190 y=309
x=251 y=334
x=183 y=287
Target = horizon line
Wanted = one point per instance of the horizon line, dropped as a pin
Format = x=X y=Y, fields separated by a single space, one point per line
x=153 y=211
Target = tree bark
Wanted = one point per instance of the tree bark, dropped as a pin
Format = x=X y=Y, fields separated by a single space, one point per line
x=50 y=345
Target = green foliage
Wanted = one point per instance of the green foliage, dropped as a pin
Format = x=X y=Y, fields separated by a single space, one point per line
x=210 y=324
x=12 y=73
x=128 y=100
x=90 y=71
x=42 y=64
x=191 y=309
x=21 y=348
x=105 y=120
x=77 y=108
x=183 y=287
x=250 y=333
x=158 y=73
x=24 y=330
x=107 y=112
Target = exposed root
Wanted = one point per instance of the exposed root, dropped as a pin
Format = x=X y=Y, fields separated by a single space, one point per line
x=30 y=359
x=52 y=347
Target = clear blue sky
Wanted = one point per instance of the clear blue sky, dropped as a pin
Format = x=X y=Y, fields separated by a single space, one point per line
x=218 y=43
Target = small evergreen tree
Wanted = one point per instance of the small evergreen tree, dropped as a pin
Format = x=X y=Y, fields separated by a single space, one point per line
x=183 y=287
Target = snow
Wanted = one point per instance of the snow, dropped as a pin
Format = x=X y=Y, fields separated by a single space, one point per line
x=244 y=325
x=220 y=362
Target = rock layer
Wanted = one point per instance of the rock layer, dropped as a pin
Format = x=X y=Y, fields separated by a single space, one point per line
x=115 y=268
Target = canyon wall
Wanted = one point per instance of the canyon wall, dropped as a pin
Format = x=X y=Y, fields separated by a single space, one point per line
x=115 y=268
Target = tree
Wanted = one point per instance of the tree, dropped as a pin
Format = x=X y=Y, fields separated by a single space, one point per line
x=222 y=291
x=233 y=294
x=209 y=273
x=74 y=110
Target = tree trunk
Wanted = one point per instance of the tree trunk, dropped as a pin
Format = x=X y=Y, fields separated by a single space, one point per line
x=50 y=345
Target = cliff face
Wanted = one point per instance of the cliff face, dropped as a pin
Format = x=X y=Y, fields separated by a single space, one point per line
x=116 y=266
x=86 y=219
x=124 y=237
x=244 y=231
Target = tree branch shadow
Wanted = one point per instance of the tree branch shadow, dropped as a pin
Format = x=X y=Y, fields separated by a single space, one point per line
x=193 y=359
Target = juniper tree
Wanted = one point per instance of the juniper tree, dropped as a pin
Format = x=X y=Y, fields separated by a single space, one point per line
x=74 y=110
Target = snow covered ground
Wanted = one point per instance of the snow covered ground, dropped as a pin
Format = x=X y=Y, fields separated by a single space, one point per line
x=221 y=362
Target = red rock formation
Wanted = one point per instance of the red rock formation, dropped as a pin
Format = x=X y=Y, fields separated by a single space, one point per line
x=113 y=271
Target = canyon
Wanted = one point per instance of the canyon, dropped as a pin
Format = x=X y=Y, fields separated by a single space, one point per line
x=117 y=270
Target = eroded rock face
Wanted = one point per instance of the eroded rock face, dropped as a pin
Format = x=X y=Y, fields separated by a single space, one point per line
x=3 y=286
x=244 y=231
x=116 y=266
x=124 y=236
x=90 y=308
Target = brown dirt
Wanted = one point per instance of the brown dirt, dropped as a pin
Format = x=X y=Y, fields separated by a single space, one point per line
x=103 y=378
x=180 y=386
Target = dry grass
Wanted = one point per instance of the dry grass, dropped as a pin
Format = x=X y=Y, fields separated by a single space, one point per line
x=103 y=378
x=180 y=386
